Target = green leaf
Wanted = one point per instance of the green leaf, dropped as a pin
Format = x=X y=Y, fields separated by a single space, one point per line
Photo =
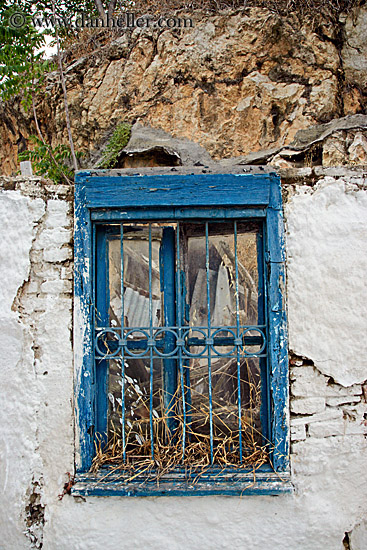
x=43 y=159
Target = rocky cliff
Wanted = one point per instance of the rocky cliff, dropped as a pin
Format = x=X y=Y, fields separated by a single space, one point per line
x=235 y=83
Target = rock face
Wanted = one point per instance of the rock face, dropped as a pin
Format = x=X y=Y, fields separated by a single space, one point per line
x=339 y=142
x=354 y=52
x=234 y=83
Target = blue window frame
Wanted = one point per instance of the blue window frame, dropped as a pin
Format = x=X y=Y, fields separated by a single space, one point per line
x=180 y=332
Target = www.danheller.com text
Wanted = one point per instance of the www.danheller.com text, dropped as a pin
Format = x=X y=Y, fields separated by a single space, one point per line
x=128 y=20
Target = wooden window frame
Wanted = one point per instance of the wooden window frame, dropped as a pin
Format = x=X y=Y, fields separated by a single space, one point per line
x=102 y=196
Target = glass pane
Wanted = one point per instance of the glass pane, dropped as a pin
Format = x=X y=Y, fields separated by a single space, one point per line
x=233 y=412
x=137 y=403
x=222 y=275
x=136 y=277
x=137 y=331
x=226 y=367
x=248 y=276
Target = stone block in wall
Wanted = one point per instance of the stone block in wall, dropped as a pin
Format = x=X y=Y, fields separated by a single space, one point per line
x=57 y=255
x=327 y=428
x=36 y=256
x=32 y=287
x=56 y=287
x=67 y=272
x=296 y=362
x=307 y=405
x=57 y=214
x=342 y=400
x=307 y=382
x=298 y=432
x=51 y=238
x=355 y=427
x=58 y=190
x=356 y=419
x=326 y=415
x=46 y=271
x=334 y=390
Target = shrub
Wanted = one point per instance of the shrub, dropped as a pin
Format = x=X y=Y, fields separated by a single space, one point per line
x=118 y=141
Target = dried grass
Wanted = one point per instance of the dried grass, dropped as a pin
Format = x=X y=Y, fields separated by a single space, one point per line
x=316 y=8
x=316 y=12
x=168 y=448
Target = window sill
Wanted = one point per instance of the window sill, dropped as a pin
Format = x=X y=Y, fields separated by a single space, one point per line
x=229 y=482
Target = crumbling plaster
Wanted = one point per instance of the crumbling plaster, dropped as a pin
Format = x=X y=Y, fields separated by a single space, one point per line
x=329 y=449
x=36 y=363
x=326 y=267
x=19 y=399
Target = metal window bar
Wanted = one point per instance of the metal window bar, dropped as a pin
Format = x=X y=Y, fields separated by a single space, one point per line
x=123 y=412
x=102 y=341
x=238 y=342
x=209 y=340
x=150 y=344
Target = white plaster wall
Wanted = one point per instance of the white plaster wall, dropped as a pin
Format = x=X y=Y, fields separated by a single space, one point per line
x=36 y=441
x=329 y=451
x=327 y=283
x=18 y=394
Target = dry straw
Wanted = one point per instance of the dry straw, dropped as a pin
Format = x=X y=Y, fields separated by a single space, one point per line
x=168 y=447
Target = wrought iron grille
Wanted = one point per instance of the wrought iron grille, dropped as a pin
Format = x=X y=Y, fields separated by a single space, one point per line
x=181 y=338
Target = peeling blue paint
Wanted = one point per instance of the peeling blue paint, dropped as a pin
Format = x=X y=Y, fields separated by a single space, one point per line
x=100 y=196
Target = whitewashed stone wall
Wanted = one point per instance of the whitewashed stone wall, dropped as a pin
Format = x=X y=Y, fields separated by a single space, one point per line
x=326 y=222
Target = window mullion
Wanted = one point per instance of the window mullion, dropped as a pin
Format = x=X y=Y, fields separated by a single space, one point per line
x=179 y=335
x=169 y=318
x=263 y=320
x=101 y=321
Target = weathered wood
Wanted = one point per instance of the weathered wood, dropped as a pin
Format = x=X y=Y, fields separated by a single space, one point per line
x=162 y=191
x=277 y=338
x=213 y=481
x=100 y=197
x=83 y=334
x=179 y=213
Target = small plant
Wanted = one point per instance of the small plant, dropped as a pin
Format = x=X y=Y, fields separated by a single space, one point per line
x=118 y=141
x=49 y=162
